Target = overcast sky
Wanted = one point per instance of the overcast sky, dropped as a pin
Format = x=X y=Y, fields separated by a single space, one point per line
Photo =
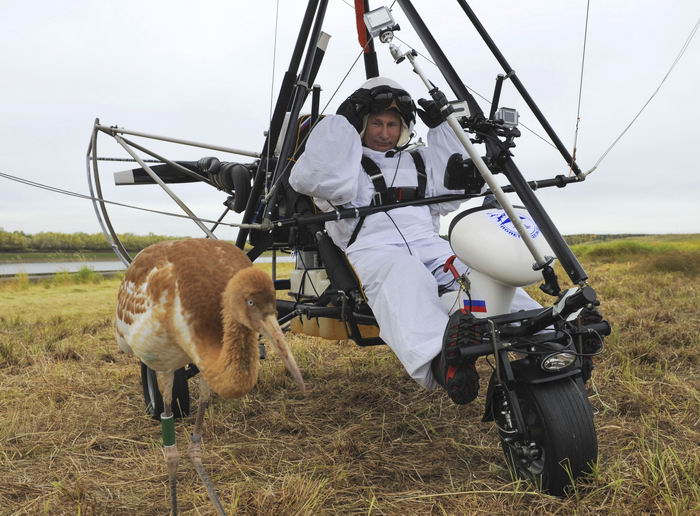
x=203 y=71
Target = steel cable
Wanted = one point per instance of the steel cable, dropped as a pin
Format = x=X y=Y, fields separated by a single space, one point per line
x=69 y=193
x=580 y=88
x=673 y=65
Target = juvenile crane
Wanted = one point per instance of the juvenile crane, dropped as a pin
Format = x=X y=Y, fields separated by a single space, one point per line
x=198 y=301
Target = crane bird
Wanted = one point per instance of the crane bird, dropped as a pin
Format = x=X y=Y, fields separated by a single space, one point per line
x=198 y=301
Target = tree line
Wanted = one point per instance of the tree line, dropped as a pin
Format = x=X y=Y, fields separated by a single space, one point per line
x=18 y=241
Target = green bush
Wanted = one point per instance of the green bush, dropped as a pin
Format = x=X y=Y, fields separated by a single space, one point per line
x=17 y=241
x=86 y=275
x=61 y=278
x=621 y=248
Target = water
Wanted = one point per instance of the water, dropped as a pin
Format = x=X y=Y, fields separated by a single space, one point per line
x=53 y=267
x=9 y=269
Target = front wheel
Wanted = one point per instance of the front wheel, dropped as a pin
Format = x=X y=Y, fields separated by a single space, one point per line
x=153 y=399
x=560 y=442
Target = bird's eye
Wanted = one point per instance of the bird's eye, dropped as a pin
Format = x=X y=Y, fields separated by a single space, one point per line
x=251 y=302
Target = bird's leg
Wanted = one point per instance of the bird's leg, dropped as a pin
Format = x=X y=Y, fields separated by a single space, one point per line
x=167 y=423
x=195 y=449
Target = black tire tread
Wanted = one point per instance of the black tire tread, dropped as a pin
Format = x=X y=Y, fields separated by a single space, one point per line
x=569 y=434
x=181 y=394
x=569 y=430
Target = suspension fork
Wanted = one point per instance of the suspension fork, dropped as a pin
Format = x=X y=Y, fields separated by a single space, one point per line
x=504 y=380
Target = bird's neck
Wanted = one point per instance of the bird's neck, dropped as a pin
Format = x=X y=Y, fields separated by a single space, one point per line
x=234 y=371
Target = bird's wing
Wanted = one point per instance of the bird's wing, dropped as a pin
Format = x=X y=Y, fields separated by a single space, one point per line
x=146 y=304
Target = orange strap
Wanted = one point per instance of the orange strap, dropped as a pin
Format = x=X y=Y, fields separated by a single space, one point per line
x=360 y=22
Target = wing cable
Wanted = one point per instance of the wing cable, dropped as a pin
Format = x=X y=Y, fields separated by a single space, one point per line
x=69 y=193
x=673 y=65
x=580 y=90
x=272 y=91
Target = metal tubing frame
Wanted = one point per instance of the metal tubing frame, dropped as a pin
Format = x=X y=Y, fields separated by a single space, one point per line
x=349 y=213
x=283 y=100
x=571 y=265
x=527 y=196
x=319 y=53
x=315 y=104
x=173 y=164
x=561 y=249
x=510 y=73
x=302 y=88
x=496 y=95
x=121 y=130
x=475 y=156
x=99 y=204
x=167 y=190
x=284 y=97
x=443 y=64
x=103 y=219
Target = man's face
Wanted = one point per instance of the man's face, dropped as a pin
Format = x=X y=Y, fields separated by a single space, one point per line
x=382 y=131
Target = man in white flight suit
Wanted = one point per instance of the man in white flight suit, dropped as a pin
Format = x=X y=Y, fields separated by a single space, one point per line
x=398 y=255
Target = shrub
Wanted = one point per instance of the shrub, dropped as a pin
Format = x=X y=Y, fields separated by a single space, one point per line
x=621 y=248
x=86 y=275
x=21 y=281
x=61 y=278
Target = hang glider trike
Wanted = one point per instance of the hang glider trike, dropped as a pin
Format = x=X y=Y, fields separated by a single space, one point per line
x=541 y=359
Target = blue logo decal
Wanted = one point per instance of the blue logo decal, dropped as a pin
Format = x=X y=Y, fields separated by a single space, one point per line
x=504 y=222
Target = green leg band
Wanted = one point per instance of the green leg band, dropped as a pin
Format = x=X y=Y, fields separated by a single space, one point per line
x=167 y=425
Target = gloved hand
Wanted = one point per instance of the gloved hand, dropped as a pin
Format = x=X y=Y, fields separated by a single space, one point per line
x=430 y=114
x=355 y=107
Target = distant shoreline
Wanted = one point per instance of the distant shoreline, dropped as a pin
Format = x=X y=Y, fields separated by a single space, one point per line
x=57 y=256
x=69 y=256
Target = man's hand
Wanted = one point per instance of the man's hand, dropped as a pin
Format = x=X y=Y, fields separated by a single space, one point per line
x=430 y=114
x=355 y=108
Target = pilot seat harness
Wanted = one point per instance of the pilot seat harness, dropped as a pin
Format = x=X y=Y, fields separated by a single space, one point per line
x=384 y=196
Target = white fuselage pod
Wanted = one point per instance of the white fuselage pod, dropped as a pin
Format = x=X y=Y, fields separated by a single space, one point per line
x=486 y=240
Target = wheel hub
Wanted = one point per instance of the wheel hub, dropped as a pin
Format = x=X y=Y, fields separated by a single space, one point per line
x=527 y=451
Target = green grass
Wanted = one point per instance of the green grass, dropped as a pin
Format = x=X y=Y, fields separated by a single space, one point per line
x=57 y=256
x=69 y=256
x=649 y=254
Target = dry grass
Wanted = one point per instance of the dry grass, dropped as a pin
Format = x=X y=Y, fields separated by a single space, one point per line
x=364 y=440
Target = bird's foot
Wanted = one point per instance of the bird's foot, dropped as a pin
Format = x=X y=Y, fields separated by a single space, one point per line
x=195 y=453
x=172 y=458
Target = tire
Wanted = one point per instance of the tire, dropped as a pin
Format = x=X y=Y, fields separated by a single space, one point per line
x=561 y=445
x=153 y=399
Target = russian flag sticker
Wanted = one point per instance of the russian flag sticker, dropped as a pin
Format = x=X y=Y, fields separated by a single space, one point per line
x=476 y=305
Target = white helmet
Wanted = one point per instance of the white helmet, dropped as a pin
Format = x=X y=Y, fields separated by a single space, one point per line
x=389 y=94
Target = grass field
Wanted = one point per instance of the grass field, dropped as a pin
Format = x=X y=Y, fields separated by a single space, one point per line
x=365 y=439
x=67 y=256
x=55 y=256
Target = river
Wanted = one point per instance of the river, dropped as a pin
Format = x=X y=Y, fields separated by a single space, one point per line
x=10 y=269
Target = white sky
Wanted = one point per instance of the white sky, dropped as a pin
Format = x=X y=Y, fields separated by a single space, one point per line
x=203 y=70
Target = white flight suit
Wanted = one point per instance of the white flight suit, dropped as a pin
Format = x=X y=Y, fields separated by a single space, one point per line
x=398 y=254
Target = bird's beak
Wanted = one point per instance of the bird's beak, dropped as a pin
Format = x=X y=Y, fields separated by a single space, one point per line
x=273 y=332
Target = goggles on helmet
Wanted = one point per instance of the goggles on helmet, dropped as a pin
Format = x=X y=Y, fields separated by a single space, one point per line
x=386 y=97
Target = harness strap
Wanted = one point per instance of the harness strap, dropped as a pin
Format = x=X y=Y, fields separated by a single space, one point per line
x=385 y=196
x=356 y=231
x=422 y=176
x=377 y=178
